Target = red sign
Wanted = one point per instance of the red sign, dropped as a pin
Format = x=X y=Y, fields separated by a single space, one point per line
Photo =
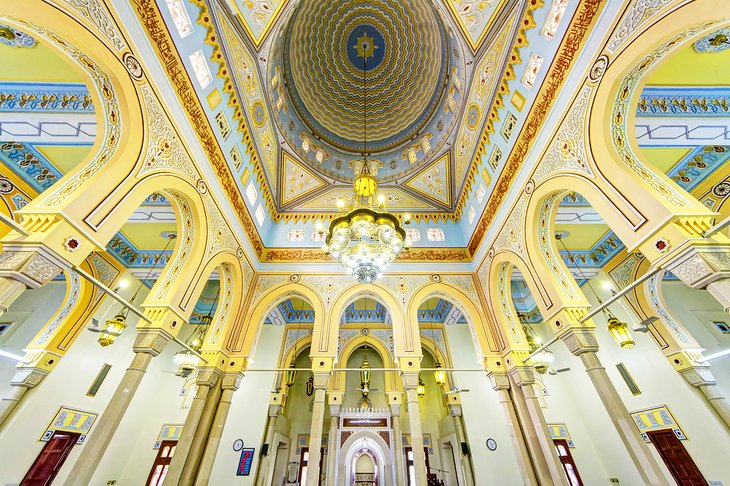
x=244 y=465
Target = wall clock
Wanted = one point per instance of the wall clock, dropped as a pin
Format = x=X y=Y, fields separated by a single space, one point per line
x=491 y=444
x=237 y=445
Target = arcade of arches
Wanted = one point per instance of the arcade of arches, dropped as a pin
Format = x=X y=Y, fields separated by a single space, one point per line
x=558 y=315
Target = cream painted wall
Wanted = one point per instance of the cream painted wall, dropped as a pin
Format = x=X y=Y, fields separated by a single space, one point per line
x=572 y=399
x=696 y=310
x=248 y=415
x=483 y=416
x=64 y=386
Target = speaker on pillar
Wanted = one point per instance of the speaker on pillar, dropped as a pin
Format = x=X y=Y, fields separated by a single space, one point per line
x=464 y=448
x=264 y=449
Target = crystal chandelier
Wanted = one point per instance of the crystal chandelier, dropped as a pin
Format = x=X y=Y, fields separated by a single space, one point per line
x=367 y=238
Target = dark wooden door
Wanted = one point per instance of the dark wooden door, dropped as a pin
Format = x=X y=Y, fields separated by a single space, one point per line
x=678 y=461
x=566 y=458
x=50 y=460
x=162 y=463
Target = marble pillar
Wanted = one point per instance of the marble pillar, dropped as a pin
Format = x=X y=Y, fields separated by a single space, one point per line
x=410 y=383
x=315 y=433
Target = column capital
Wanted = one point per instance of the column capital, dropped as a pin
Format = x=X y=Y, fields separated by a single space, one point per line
x=335 y=409
x=698 y=376
x=231 y=381
x=454 y=410
x=395 y=410
x=28 y=377
x=410 y=380
x=580 y=340
x=32 y=266
x=151 y=341
x=699 y=266
x=277 y=400
x=522 y=376
x=499 y=381
x=274 y=410
x=320 y=380
x=207 y=376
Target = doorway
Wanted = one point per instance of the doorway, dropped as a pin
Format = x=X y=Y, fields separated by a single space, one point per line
x=677 y=459
x=162 y=463
x=566 y=459
x=50 y=460
x=410 y=465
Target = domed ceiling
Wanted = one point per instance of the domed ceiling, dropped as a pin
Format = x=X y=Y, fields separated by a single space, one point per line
x=339 y=56
x=330 y=63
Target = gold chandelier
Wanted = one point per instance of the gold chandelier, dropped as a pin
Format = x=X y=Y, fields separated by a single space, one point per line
x=367 y=238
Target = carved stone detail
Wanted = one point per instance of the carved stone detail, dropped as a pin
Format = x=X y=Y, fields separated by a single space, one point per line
x=523 y=376
x=580 y=341
x=28 y=377
x=29 y=267
x=698 y=376
x=699 y=267
x=321 y=380
x=410 y=380
x=151 y=341
x=499 y=381
x=207 y=376
x=231 y=381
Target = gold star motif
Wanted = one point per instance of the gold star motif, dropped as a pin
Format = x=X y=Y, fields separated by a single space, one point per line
x=365 y=46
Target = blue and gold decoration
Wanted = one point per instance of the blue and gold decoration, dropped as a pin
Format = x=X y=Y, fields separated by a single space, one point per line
x=365 y=43
x=15 y=38
x=714 y=42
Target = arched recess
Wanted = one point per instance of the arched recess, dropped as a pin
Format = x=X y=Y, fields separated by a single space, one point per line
x=392 y=380
x=405 y=336
x=115 y=97
x=244 y=335
x=187 y=260
x=481 y=334
x=611 y=134
x=230 y=299
x=500 y=296
x=352 y=446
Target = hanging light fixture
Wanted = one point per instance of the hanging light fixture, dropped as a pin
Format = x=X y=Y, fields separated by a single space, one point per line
x=439 y=374
x=187 y=361
x=619 y=330
x=310 y=384
x=114 y=327
x=540 y=361
x=367 y=238
x=365 y=366
x=421 y=387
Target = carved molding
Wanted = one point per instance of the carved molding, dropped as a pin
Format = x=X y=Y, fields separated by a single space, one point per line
x=28 y=377
x=580 y=341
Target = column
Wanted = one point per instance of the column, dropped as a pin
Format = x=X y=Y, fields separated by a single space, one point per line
x=410 y=383
x=200 y=437
x=524 y=379
x=23 y=380
x=265 y=466
x=455 y=412
x=582 y=343
x=699 y=376
x=501 y=384
x=147 y=345
x=204 y=379
x=315 y=433
x=395 y=400
x=333 y=445
x=229 y=384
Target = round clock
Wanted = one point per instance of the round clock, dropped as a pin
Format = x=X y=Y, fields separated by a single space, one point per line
x=491 y=444
x=238 y=445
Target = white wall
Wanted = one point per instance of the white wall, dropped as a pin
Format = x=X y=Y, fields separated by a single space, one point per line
x=249 y=411
x=572 y=400
x=483 y=416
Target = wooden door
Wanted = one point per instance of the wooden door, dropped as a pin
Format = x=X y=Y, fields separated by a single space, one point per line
x=162 y=463
x=571 y=470
x=50 y=460
x=678 y=461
